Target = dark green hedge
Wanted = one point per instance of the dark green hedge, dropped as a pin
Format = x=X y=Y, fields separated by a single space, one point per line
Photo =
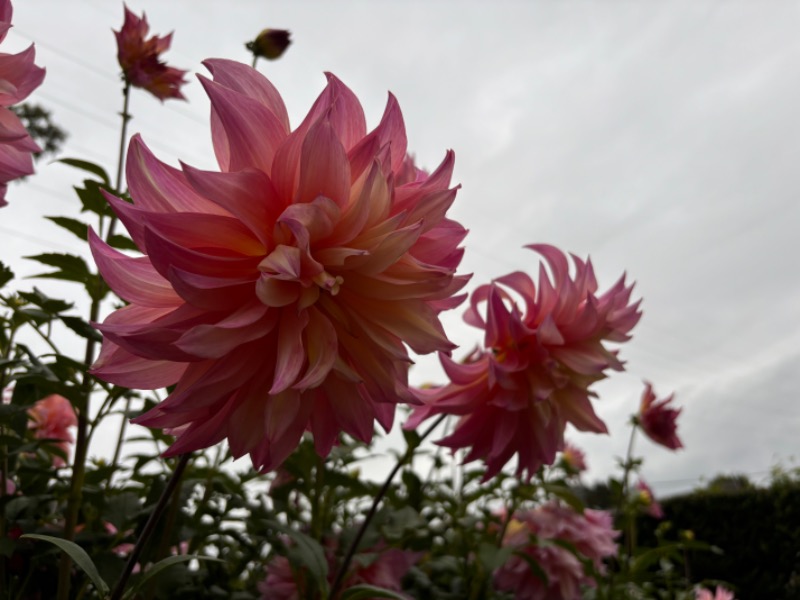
x=758 y=530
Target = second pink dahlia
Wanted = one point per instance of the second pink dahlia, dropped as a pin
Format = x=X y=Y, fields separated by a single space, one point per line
x=517 y=395
x=279 y=294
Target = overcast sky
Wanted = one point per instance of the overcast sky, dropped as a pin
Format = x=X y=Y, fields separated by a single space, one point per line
x=661 y=139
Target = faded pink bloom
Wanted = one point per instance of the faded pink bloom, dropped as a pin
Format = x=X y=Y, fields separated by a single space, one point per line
x=517 y=395
x=140 y=62
x=51 y=417
x=658 y=421
x=533 y=533
x=647 y=500
x=19 y=76
x=720 y=594
x=574 y=458
x=379 y=566
x=279 y=293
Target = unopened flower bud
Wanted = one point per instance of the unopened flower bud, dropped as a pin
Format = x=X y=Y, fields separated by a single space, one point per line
x=270 y=43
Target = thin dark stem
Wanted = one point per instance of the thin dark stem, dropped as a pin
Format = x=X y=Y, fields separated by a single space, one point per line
x=126 y=117
x=255 y=60
x=626 y=513
x=337 y=582
x=150 y=525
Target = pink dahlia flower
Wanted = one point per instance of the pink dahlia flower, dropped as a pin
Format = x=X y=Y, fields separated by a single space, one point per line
x=647 y=499
x=658 y=421
x=517 y=395
x=720 y=594
x=140 y=62
x=279 y=294
x=574 y=458
x=51 y=418
x=536 y=533
x=19 y=76
x=378 y=566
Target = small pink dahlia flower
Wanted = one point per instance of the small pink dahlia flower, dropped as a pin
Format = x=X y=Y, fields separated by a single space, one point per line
x=140 y=61
x=518 y=394
x=658 y=421
x=536 y=533
x=51 y=418
x=19 y=76
x=719 y=594
x=574 y=458
x=279 y=294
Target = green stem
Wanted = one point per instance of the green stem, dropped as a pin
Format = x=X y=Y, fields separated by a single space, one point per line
x=126 y=117
x=337 y=582
x=79 y=463
x=625 y=511
x=150 y=525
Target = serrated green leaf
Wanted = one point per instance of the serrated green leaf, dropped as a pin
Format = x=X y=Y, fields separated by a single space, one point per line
x=74 y=226
x=309 y=552
x=50 y=305
x=78 y=555
x=6 y=274
x=85 y=165
x=122 y=242
x=70 y=267
x=161 y=566
x=364 y=591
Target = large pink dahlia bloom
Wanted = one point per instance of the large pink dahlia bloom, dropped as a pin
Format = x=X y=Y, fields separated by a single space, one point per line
x=280 y=293
x=19 y=76
x=517 y=395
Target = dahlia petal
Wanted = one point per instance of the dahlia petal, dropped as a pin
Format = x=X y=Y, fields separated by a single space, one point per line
x=120 y=367
x=391 y=132
x=291 y=354
x=158 y=187
x=250 y=83
x=276 y=293
x=254 y=146
x=321 y=345
x=324 y=169
x=247 y=194
x=216 y=340
x=578 y=410
x=133 y=279
x=209 y=292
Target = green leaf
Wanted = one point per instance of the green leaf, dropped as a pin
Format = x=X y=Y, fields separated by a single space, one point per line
x=364 y=591
x=493 y=557
x=50 y=305
x=77 y=554
x=85 y=165
x=82 y=328
x=565 y=494
x=309 y=553
x=6 y=274
x=79 y=228
x=161 y=566
x=122 y=242
x=70 y=267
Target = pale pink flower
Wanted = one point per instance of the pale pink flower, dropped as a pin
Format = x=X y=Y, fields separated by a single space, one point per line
x=647 y=499
x=720 y=594
x=517 y=395
x=534 y=532
x=659 y=421
x=140 y=59
x=379 y=566
x=280 y=293
x=19 y=76
x=51 y=418
x=574 y=458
